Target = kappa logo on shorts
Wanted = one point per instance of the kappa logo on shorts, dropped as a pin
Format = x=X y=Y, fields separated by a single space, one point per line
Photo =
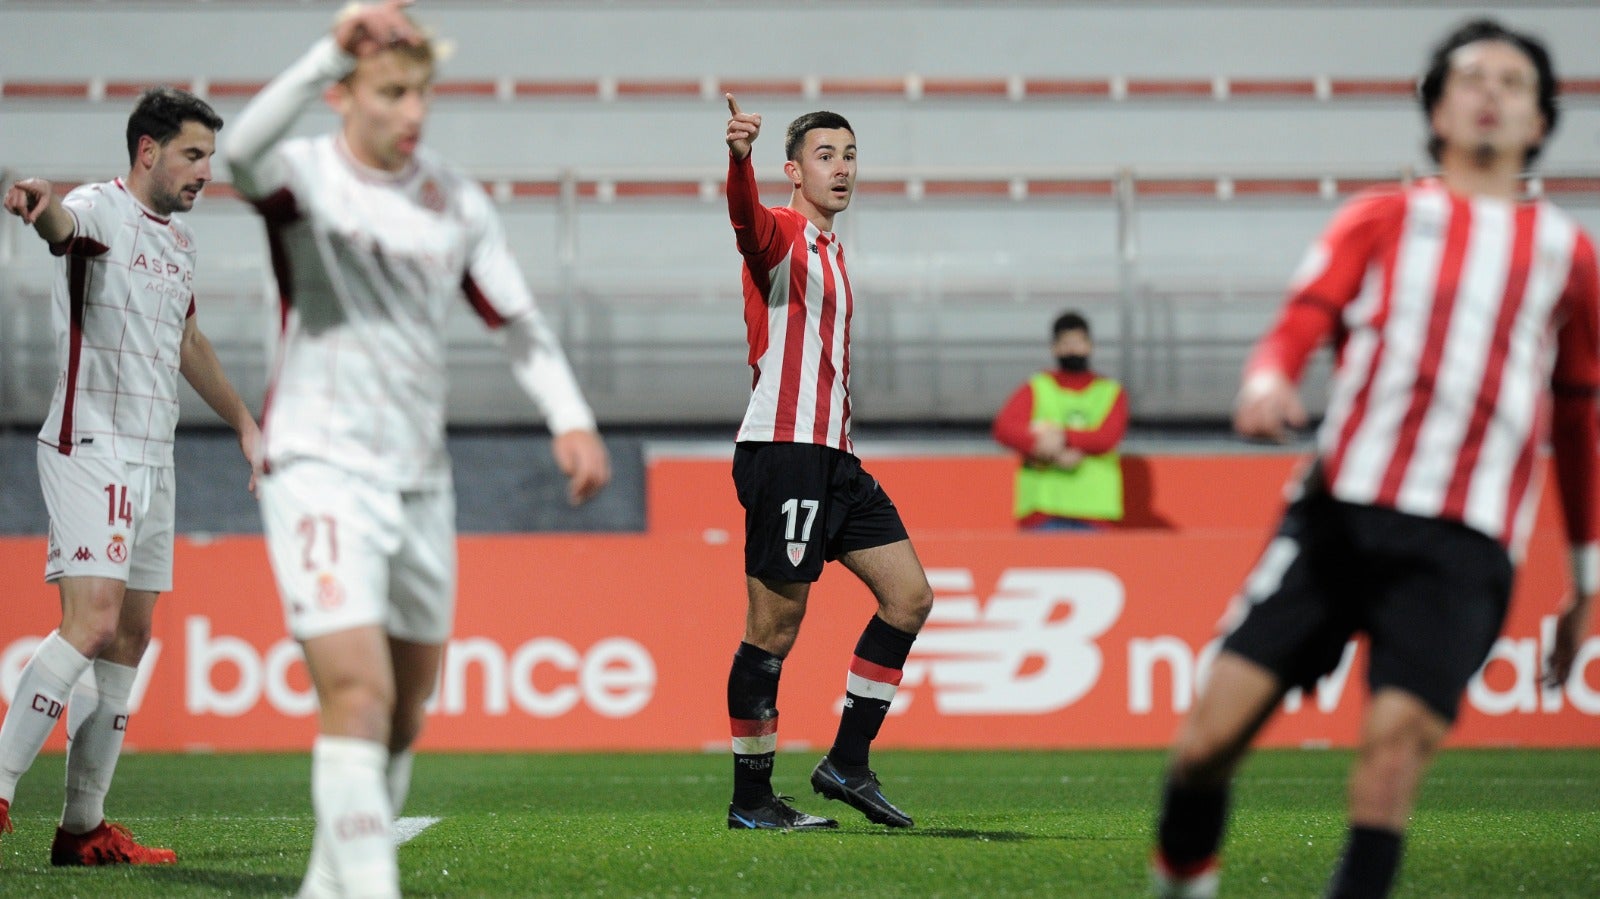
x=83 y=555
x=117 y=549
x=797 y=551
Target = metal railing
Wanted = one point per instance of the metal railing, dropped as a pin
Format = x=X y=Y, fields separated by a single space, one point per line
x=937 y=338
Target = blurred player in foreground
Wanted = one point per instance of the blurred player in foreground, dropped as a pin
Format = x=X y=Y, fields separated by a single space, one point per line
x=124 y=312
x=373 y=240
x=1466 y=323
x=806 y=497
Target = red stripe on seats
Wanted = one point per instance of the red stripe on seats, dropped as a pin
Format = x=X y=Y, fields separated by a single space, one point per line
x=582 y=89
x=1069 y=188
x=881 y=188
x=965 y=87
x=864 y=87
x=1272 y=88
x=1056 y=87
x=1372 y=87
x=770 y=87
x=465 y=89
x=1177 y=187
x=117 y=90
x=966 y=188
x=1277 y=186
x=639 y=88
x=46 y=90
x=1168 y=87
x=223 y=89
x=638 y=189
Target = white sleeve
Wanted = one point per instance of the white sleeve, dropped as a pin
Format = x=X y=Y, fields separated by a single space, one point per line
x=498 y=293
x=542 y=370
x=95 y=221
x=256 y=171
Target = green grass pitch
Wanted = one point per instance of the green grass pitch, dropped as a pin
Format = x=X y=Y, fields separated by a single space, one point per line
x=1489 y=823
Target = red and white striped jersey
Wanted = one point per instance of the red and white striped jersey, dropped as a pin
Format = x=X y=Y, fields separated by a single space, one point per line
x=369 y=265
x=797 y=308
x=124 y=289
x=1455 y=320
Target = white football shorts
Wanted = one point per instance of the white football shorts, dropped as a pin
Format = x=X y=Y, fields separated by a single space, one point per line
x=109 y=519
x=351 y=553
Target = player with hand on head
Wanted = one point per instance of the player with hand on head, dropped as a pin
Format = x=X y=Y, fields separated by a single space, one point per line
x=374 y=240
x=1467 y=321
x=124 y=312
x=806 y=497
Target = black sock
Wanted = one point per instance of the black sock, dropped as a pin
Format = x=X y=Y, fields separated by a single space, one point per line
x=1192 y=819
x=874 y=675
x=1367 y=868
x=753 y=719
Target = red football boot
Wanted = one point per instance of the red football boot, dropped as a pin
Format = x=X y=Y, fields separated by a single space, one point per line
x=109 y=844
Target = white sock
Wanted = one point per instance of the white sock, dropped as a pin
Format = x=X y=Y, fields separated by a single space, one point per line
x=41 y=695
x=94 y=743
x=399 y=779
x=321 y=880
x=354 y=820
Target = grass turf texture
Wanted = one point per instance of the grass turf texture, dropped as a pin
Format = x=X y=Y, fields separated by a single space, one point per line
x=1489 y=823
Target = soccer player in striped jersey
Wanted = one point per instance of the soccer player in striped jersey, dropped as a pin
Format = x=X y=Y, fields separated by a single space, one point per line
x=806 y=497
x=1467 y=325
x=374 y=240
x=124 y=312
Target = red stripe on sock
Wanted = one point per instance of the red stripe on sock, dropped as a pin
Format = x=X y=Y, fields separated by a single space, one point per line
x=1185 y=872
x=874 y=672
x=747 y=727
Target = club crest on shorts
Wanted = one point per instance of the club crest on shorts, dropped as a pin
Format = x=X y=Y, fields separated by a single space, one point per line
x=797 y=551
x=330 y=593
x=117 y=549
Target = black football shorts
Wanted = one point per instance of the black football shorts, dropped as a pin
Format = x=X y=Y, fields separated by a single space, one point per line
x=805 y=504
x=1430 y=595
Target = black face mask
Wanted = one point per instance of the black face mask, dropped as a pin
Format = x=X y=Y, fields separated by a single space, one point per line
x=1073 y=363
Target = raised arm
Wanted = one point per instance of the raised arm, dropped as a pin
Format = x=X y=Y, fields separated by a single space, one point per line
x=755 y=228
x=33 y=200
x=360 y=30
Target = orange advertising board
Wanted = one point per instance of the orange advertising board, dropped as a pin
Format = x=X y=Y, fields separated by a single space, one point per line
x=623 y=641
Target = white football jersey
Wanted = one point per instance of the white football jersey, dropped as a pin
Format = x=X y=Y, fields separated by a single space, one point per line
x=121 y=296
x=369 y=264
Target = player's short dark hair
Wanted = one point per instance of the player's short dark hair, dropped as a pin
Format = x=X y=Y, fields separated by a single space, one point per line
x=1071 y=320
x=1431 y=87
x=160 y=114
x=795 y=140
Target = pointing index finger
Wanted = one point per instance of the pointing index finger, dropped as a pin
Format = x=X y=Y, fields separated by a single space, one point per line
x=733 y=105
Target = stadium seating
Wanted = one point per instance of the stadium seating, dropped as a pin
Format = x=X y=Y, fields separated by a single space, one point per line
x=1161 y=171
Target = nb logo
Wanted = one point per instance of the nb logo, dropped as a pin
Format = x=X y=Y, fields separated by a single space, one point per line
x=812 y=247
x=1029 y=650
x=83 y=555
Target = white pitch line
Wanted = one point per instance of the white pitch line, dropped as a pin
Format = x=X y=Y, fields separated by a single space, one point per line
x=408 y=829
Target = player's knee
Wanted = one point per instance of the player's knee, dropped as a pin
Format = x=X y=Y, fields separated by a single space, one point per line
x=1397 y=748
x=1202 y=758
x=129 y=643
x=360 y=703
x=907 y=610
x=90 y=636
